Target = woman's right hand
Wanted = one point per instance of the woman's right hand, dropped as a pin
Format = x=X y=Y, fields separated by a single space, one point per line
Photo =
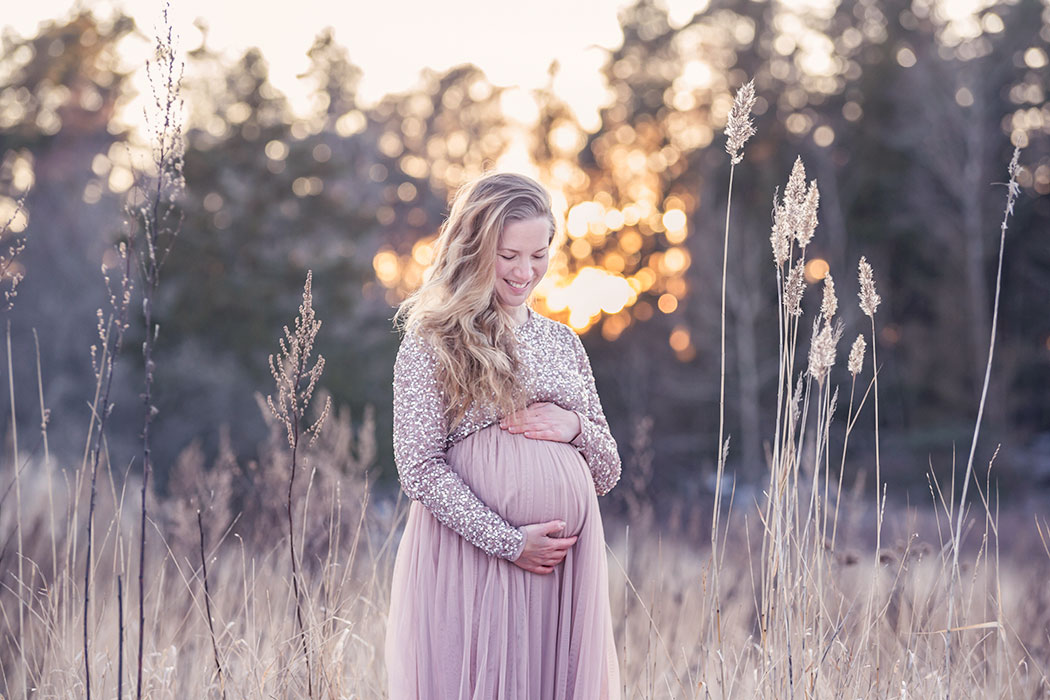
x=543 y=552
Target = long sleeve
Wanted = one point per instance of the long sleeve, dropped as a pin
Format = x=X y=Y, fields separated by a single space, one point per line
x=595 y=441
x=419 y=453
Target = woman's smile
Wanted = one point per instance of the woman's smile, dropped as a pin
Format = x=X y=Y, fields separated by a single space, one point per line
x=521 y=261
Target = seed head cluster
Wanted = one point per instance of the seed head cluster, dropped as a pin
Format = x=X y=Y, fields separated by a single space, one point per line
x=794 y=224
x=795 y=216
x=830 y=303
x=739 y=127
x=807 y=216
x=856 y=355
x=11 y=274
x=822 y=349
x=291 y=371
x=795 y=192
x=869 y=300
x=780 y=238
x=793 y=289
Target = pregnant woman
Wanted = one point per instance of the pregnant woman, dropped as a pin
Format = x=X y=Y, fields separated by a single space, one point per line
x=500 y=588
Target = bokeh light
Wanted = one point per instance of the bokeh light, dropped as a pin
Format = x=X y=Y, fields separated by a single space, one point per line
x=816 y=270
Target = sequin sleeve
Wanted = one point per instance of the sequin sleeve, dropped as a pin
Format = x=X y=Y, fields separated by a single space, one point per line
x=419 y=453
x=595 y=440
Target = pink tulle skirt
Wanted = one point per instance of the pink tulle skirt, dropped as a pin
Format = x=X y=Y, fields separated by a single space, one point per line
x=467 y=626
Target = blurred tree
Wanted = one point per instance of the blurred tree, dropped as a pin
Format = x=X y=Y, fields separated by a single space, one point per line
x=961 y=83
x=902 y=111
x=839 y=86
x=229 y=280
x=60 y=92
x=656 y=171
x=339 y=190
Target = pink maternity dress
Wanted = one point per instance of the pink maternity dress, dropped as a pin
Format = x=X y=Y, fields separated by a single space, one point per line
x=465 y=622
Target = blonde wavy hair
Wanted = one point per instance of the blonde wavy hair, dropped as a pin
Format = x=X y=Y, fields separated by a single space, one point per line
x=456 y=309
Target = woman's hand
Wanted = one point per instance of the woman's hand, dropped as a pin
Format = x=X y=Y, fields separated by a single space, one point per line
x=544 y=421
x=542 y=552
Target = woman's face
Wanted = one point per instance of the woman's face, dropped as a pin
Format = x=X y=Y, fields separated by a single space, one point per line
x=521 y=259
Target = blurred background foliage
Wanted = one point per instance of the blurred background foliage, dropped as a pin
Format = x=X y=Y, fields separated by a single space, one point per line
x=904 y=113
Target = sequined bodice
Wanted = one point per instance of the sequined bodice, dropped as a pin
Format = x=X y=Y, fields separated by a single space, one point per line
x=554 y=368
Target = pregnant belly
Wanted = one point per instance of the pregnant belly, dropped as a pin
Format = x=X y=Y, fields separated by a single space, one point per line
x=525 y=480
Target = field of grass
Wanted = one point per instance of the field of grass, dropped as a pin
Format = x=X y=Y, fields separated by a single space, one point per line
x=672 y=641
x=270 y=578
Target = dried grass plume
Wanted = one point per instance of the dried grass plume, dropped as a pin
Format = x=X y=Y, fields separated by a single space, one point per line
x=780 y=236
x=822 y=350
x=739 y=127
x=794 y=288
x=807 y=215
x=830 y=303
x=856 y=355
x=795 y=194
x=795 y=215
x=869 y=300
x=11 y=272
x=294 y=377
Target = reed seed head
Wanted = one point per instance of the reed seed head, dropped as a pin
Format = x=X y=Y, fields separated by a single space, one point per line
x=293 y=376
x=830 y=304
x=780 y=236
x=795 y=216
x=793 y=289
x=822 y=350
x=1013 y=189
x=856 y=355
x=807 y=219
x=869 y=300
x=795 y=194
x=739 y=127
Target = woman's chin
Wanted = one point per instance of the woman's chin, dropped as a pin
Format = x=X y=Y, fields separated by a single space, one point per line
x=512 y=297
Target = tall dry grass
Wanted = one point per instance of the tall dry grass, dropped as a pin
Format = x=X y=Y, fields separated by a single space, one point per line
x=10 y=277
x=256 y=641
x=270 y=578
x=739 y=129
x=809 y=634
x=660 y=586
x=160 y=221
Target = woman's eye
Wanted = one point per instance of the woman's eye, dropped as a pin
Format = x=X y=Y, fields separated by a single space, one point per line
x=540 y=256
x=507 y=257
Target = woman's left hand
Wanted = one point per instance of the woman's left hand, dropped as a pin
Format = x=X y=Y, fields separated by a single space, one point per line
x=544 y=421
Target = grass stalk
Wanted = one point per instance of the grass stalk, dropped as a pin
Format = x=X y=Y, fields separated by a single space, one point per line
x=1012 y=190
x=18 y=520
x=292 y=553
x=112 y=335
x=879 y=503
x=161 y=221
x=869 y=304
x=207 y=607
x=44 y=416
x=842 y=462
x=295 y=381
x=120 y=638
x=720 y=468
x=739 y=129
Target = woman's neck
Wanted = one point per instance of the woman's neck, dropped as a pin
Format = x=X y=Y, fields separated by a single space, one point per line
x=518 y=314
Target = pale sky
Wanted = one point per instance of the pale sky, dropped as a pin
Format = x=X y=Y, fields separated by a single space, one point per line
x=513 y=41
